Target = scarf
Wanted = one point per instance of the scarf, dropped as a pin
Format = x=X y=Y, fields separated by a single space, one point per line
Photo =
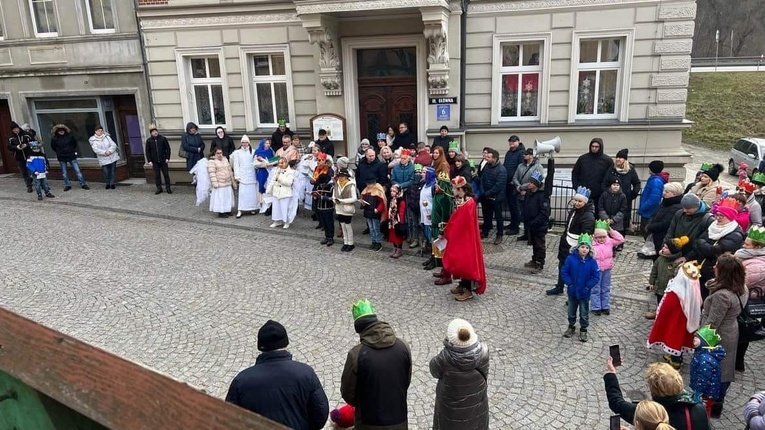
x=393 y=211
x=717 y=232
x=745 y=254
x=320 y=170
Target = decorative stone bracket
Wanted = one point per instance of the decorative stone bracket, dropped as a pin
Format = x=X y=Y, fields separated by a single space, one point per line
x=436 y=20
x=323 y=32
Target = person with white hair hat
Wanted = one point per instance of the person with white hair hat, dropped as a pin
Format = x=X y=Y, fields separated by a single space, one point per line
x=244 y=175
x=462 y=370
x=659 y=224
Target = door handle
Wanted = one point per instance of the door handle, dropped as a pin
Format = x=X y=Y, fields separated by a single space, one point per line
x=10 y=394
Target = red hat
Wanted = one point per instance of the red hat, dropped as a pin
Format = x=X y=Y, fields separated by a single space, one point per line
x=458 y=182
x=747 y=186
x=343 y=416
x=406 y=152
x=321 y=156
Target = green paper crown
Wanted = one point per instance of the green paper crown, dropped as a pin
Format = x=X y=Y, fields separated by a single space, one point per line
x=362 y=308
x=706 y=166
x=709 y=335
x=757 y=234
x=417 y=167
x=602 y=224
x=472 y=164
x=584 y=239
x=454 y=146
x=283 y=122
x=759 y=178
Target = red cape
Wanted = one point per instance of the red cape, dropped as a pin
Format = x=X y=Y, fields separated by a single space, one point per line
x=463 y=257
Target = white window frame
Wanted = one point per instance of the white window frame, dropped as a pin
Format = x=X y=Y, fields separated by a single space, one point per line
x=90 y=19
x=185 y=84
x=246 y=54
x=34 y=18
x=545 y=40
x=624 y=78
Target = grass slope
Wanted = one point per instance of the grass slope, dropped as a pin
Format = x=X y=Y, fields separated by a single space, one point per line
x=725 y=106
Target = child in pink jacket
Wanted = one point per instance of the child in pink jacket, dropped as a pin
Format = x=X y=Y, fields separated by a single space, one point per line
x=605 y=240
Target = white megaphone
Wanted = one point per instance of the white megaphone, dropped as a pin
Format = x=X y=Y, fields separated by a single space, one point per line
x=547 y=147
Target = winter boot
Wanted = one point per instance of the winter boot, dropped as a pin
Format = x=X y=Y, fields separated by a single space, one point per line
x=569 y=331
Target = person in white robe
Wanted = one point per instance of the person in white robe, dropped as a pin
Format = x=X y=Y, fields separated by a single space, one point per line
x=280 y=190
x=202 y=180
x=244 y=175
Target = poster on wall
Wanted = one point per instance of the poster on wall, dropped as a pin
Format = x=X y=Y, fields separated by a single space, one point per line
x=333 y=124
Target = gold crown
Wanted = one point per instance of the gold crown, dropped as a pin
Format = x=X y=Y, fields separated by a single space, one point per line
x=444 y=176
x=692 y=270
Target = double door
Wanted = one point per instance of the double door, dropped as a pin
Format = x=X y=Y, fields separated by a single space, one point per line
x=386 y=101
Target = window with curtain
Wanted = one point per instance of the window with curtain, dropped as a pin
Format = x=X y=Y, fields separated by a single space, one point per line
x=520 y=71
x=598 y=79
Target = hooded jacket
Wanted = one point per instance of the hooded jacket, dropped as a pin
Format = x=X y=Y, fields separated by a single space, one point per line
x=376 y=378
x=16 y=140
x=462 y=402
x=689 y=225
x=652 y=193
x=590 y=170
x=64 y=145
x=705 y=371
x=192 y=144
x=580 y=274
x=754 y=264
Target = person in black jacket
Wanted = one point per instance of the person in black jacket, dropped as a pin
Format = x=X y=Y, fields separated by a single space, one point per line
x=513 y=159
x=493 y=184
x=660 y=221
x=581 y=219
x=624 y=172
x=222 y=141
x=371 y=168
x=443 y=139
x=64 y=145
x=158 y=155
x=279 y=388
x=377 y=373
x=281 y=130
x=590 y=170
x=536 y=214
x=18 y=145
x=192 y=143
x=612 y=206
x=325 y=145
x=405 y=138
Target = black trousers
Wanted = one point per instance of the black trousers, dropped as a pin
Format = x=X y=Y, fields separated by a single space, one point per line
x=161 y=167
x=326 y=221
x=491 y=209
x=514 y=205
x=563 y=250
x=24 y=172
x=538 y=251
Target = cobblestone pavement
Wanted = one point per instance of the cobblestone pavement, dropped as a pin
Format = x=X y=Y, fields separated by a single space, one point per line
x=169 y=285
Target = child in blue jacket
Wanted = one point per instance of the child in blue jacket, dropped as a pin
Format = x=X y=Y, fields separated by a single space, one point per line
x=580 y=273
x=37 y=164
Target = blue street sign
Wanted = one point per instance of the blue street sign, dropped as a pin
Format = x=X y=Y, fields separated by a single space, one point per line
x=443 y=112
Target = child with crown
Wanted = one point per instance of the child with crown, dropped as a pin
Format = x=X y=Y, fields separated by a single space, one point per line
x=580 y=220
x=580 y=273
x=606 y=239
x=705 y=365
x=536 y=213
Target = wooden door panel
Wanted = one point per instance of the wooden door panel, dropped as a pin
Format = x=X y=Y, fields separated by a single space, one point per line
x=373 y=108
x=403 y=106
x=386 y=101
x=9 y=163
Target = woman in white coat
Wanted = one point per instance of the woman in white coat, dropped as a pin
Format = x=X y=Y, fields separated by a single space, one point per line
x=244 y=175
x=280 y=188
x=106 y=152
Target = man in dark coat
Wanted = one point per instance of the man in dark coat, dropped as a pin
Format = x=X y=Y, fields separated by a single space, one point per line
x=405 y=138
x=513 y=159
x=624 y=172
x=192 y=143
x=18 y=144
x=371 y=169
x=64 y=145
x=442 y=140
x=222 y=141
x=493 y=186
x=590 y=169
x=377 y=373
x=279 y=388
x=325 y=145
x=158 y=155
x=281 y=130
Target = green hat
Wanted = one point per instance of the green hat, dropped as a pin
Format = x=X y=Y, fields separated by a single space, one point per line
x=454 y=146
x=471 y=163
x=759 y=178
x=417 y=167
x=706 y=166
x=282 y=122
x=709 y=335
x=757 y=234
x=602 y=225
x=362 y=308
x=584 y=239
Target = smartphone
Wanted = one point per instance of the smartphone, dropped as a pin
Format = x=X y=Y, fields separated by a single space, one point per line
x=616 y=356
x=616 y=422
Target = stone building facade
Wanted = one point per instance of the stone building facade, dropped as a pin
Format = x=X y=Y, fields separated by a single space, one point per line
x=616 y=69
x=77 y=62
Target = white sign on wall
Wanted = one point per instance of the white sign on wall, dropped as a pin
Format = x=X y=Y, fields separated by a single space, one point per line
x=333 y=125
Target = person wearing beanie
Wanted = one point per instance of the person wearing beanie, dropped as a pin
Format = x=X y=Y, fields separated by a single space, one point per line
x=580 y=274
x=244 y=175
x=625 y=173
x=462 y=370
x=613 y=207
x=707 y=188
x=658 y=224
x=721 y=236
x=664 y=269
x=158 y=156
x=281 y=131
x=278 y=387
x=521 y=179
x=18 y=145
x=376 y=386
x=536 y=214
x=64 y=144
x=590 y=169
x=650 y=200
x=691 y=221
x=362 y=150
x=580 y=220
x=606 y=240
x=443 y=139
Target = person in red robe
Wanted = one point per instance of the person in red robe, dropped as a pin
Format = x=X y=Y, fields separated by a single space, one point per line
x=463 y=255
x=678 y=315
x=397 y=220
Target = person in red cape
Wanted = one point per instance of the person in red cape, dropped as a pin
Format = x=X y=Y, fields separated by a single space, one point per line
x=463 y=256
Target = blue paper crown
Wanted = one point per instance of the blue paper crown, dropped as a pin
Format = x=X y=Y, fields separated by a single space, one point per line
x=583 y=191
x=537 y=176
x=381 y=136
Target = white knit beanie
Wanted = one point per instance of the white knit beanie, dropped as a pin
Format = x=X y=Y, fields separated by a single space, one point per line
x=460 y=333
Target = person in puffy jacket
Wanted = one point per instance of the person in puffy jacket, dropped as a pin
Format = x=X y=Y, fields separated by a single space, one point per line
x=64 y=145
x=222 y=181
x=723 y=235
x=280 y=187
x=107 y=155
x=192 y=143
x=580 y=219
x=462 y=370
x=691 y=221
x=580 y=273
x=752 y=256
x=652 y=193
x=605 y=240
x=590 y=169
x=18 y=145
x=659 y=222
x=612 y=206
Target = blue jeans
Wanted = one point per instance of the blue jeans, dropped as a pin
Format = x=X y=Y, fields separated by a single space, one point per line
x=583 y=305
x=76 y=167
x=41 y=185
x=426 y=232
x=374 y=230
x=601 y=292
x=110 y=173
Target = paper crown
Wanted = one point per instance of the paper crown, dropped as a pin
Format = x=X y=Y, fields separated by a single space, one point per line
x=692 y=270
x=758 y=178
x=417 y=167
x=709 y=335
x=362 y=308
x=706 y=166
x=729 y=202
x=152 y=126
x=584 y=239
x=454 y=146
x=537 y=177
x=381 y=136
x=746 y=186
x=472 y=164
x=458 y=182
x=602 y=225
x=282 y=122
x=757 y=234
x=582 y=191
x=443 y=176
x=321 y=156
x=406 y=152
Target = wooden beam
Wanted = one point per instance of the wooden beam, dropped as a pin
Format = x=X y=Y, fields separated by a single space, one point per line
x=111 y=390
